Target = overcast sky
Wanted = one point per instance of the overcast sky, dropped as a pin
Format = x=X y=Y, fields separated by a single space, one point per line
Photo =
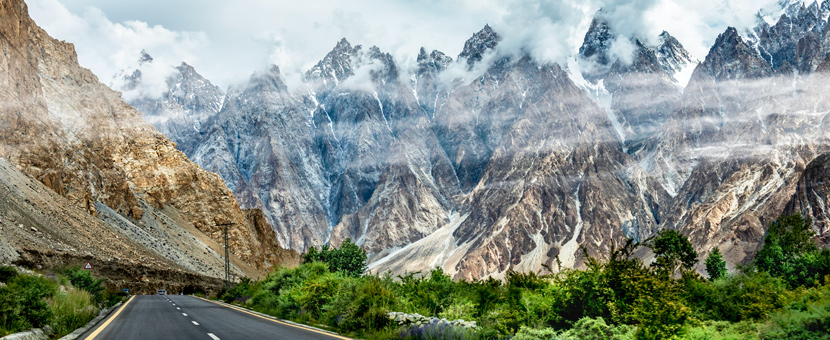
x=227 y=40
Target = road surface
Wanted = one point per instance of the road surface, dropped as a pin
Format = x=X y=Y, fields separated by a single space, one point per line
x=186 y=317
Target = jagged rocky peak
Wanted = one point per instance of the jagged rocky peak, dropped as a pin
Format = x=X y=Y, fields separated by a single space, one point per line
x=799 y=39
x=386 y=72
x=145 y=57
x=344 y=60
x=672 y=55
x=668 y=56
x=597 y=42
x=731 y=57
x=336 y=65
x=479 y=44
x=436 y=61
x=178 y=106
x=269 y=78
x=129 y=80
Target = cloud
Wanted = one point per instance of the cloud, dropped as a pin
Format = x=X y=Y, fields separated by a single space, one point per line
x=106 y=47
x=227 y=40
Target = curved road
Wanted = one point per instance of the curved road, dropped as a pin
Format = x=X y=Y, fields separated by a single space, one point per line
x=187 y=317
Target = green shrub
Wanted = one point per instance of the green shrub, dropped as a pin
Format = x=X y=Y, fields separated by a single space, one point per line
x=460 y=309
x=83 y=279
x=806 y=317
x=23 y=303
x=597 y=329
x=7 y=273
x=362 y=305
x=349 y=258
x=745 y=296
x=11 y=318
x=790 y=252
x=71 y=310
x=526 y=333
x=722 y=330
x=33 y=291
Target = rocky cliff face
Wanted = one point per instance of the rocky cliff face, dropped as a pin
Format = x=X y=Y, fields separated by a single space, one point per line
x=736 y=159
x=529 y=161
x=180 y=111
x=812 y=194
x=79 y=138
x=638 y=94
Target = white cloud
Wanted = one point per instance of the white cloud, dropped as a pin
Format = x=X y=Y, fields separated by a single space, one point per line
x=227 y=40
x=106 y=47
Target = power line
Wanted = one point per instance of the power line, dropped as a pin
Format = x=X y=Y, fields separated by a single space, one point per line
x=227 y=255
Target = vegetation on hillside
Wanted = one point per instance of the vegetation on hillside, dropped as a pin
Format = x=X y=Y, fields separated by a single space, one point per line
x=59 y=304
x=784 y=294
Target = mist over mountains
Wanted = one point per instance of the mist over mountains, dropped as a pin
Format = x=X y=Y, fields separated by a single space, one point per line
x=496 y=160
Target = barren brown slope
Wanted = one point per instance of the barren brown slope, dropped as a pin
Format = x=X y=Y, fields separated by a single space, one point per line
x=39 y=228
x=64 y=128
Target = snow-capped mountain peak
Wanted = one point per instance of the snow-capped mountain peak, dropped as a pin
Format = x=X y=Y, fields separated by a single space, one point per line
x=482 y=41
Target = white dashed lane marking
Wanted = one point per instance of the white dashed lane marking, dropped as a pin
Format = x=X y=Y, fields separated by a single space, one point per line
x=213 y=336
x=195 y=323
x=185 y=314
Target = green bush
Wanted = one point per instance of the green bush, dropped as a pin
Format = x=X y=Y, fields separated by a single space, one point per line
x=83 y=279
x=744 y=296
x=722 y=330
x=619 y=297
x=806 y=317
x=526 y=333
x=71 y=310
x=597 y=329
x=23 y=303
x=349 y=258
x=7 y=273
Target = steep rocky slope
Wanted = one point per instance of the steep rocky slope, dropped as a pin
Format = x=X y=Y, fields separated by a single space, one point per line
x=80 y=139
x=524 y=162
x=812 y=196
x=738 y=143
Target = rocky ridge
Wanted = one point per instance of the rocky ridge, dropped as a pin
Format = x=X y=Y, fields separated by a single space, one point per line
x=81 y=140
x=529 y=161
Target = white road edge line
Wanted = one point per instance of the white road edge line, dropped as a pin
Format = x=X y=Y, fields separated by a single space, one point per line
x=195 y=323
x=213 y=336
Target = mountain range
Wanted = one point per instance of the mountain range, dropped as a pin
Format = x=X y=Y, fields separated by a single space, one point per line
x=528 y=162
x=521 y=164
x=86 y=179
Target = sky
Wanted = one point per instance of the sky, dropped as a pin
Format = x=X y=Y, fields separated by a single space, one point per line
x=226 y=41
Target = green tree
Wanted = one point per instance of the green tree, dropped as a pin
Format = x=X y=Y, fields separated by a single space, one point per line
x=673 y=251
x=787 y=239
x=349 y=258
x=790 y=252
x=715 y=265
x=311 y=255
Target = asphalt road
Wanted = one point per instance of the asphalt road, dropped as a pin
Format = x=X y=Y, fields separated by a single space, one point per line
x=186 y=317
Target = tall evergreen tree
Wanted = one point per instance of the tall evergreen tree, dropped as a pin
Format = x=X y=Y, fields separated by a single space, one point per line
x=715 y=265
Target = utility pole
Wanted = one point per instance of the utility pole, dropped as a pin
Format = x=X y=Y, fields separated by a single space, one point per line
x=227 y=256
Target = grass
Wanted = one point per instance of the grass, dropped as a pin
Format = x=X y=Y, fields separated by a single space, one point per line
x=60 y=304
x=71 y=310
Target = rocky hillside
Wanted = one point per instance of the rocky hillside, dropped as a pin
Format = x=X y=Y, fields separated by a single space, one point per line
x=77 y=137
x=524 y=162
